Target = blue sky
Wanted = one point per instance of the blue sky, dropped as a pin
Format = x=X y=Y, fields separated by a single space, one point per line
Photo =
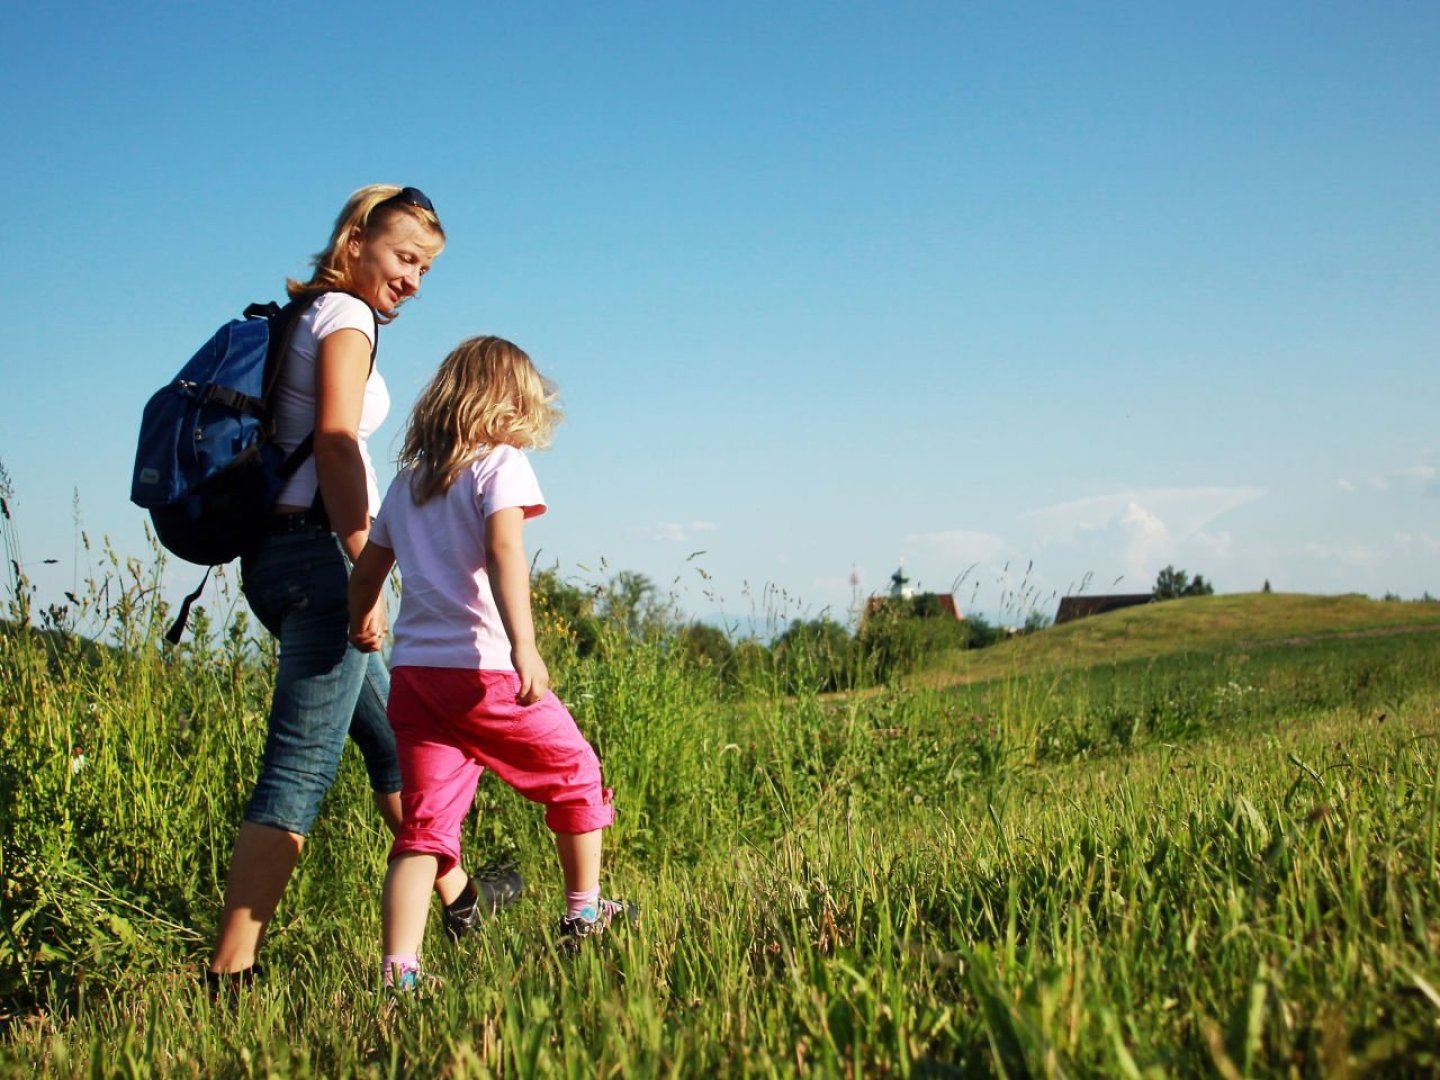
x=1037 y=297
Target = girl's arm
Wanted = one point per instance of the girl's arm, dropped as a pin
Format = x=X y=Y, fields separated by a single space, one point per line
x=341 y=371
x=509 y=573
x=367 y=615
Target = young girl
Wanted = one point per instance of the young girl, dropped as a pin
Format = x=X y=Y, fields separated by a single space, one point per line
x=469 y=690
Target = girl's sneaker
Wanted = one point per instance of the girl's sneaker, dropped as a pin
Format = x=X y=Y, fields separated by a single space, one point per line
x=405 y=981
x=410 y=981
x=592 y=922
x=491 y=890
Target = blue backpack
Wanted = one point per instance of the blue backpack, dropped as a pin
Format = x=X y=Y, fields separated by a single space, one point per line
x=207 y=467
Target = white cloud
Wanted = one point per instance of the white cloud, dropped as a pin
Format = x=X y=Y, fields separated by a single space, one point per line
x=1217 y=544
x=1351 y=555
x=1427 y=476
x=1405 y=541
x=1147 y=538
x=960 y=545
x=1181 y=511
x=678 y=533
x=1143 y=529
x=1402 y=480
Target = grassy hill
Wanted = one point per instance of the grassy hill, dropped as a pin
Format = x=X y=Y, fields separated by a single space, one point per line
x=1205 y=624
x=1197 y=838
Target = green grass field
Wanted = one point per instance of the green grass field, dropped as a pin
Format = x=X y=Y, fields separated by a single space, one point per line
x=1195 y=838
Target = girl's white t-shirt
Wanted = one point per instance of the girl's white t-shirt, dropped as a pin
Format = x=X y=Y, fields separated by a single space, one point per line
x=293 y=400
x=448 y=617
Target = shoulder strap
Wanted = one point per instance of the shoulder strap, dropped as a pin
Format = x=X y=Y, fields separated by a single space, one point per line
x=288 y=319
x=284 y=320
x=178 y=626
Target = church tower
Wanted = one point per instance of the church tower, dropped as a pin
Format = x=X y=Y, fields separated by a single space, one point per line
x=900 y=588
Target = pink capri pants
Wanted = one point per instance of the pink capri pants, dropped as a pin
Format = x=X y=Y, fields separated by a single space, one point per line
x=452 y=723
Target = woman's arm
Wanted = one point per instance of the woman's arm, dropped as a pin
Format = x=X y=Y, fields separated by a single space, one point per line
x=509 y=573
x=367 y=615
x=341 y=371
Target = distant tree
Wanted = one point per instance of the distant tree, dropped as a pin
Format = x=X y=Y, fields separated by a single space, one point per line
x=1266 y=587
x=707 y=646
x=1171 y=584
x=981 y=634
x=927 y=606
x=899 y=635
x=1035 y=620
x=816 y=655
x=564 y=613
x=752 y=667
x=631 y=602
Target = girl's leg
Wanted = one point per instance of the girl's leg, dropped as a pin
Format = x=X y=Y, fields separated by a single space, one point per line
x=438 y=782
x=371 y=731
x=580 y=860
x=539 y=751
x=449 y=885
x=406 y=902
x=586 y=911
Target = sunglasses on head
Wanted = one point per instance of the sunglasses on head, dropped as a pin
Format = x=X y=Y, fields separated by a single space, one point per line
x=411 y=196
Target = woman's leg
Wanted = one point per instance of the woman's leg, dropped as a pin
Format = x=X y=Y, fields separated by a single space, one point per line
x=260 y=868
x=296 y=586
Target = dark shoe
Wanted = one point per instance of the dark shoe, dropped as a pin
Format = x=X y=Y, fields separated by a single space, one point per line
x=226 y=985
x=595 y=921
x=490 y=891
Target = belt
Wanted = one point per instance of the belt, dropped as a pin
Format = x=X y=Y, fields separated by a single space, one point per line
x=303 y=521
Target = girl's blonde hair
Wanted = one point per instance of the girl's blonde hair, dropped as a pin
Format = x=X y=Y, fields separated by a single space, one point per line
x=367 y=213
x=487 y=393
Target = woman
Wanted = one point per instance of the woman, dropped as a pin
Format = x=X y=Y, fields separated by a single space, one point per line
x=383 y=243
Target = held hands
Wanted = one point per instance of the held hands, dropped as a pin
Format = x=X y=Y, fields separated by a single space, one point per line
x=369 y=634
x=534 y=675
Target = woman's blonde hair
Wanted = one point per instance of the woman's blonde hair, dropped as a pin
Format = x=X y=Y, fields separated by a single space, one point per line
x=487 y=393
x=367 y=213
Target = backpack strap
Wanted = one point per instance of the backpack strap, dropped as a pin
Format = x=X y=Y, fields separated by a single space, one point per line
x=234 y=399
x=280 y=346
x=287 y=318
x=177 y=627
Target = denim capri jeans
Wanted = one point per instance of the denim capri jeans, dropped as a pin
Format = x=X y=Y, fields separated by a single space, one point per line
x=297 y=586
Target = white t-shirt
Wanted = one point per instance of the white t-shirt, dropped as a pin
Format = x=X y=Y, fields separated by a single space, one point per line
x=448 y=617
x=294 y=398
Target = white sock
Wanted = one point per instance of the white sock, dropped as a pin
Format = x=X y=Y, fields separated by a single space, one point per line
x=582 y=903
